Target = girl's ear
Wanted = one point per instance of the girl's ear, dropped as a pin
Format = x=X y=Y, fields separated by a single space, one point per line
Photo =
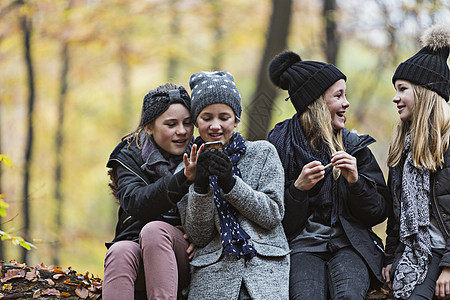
x=309 y=106
x=148 y=129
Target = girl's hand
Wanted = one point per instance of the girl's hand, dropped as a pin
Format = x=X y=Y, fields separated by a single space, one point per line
x=442 y=289
x=191 y=249
x=385 y=272
x=347 y=164
x=190 y=165
x=311 y=174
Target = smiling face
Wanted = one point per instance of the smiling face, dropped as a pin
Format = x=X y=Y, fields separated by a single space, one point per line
x=173 y=129
x=216 y=122
x=337 y=103
x=404 y=98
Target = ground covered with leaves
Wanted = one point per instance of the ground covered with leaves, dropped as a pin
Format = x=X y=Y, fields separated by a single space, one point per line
x=19 y=281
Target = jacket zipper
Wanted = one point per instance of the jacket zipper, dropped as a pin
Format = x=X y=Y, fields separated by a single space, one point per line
x=129 y=169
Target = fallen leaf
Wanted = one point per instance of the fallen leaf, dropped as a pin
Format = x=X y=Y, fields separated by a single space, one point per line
x=7 y=286
x=1 y=296
x=16 y=273
x=82 y=292
x=32 y=275
x=57 y=276
x=65 y=294
x=37 y=293
x=94 y=296
x=52 y=292
x=50 y=282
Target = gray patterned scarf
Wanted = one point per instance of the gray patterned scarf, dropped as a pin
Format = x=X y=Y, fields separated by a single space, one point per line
x=414 y=221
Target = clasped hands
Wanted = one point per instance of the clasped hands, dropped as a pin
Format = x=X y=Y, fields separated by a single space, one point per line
x=314 y=171
x=214 y=162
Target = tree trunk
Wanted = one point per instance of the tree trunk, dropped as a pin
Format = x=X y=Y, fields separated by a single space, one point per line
x=59 y=141
x=172 y=66
x=332 y=41
x=26 y=26
x=2 y=250
x=218 y=49
x=125 y=87
x=261 y=108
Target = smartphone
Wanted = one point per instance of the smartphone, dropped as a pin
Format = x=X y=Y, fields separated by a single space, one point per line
x=212 y=145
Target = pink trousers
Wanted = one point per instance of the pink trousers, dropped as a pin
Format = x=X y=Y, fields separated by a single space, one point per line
x=159 y=264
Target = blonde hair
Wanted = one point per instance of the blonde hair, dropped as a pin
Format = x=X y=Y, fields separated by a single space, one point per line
x=429 y=130
x=134 y=135
x=316 y=124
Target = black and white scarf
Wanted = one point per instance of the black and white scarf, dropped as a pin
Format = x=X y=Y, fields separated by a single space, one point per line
x=414 y=222
x=234 y=239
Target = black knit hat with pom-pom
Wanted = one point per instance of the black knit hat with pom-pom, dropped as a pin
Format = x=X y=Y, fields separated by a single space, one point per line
x=305 y=81
x=428 y=67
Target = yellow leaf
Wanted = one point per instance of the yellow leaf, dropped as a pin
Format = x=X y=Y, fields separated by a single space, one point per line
x=5 y=160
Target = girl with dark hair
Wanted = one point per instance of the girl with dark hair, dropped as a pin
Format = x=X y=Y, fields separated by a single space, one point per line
x=150 y=254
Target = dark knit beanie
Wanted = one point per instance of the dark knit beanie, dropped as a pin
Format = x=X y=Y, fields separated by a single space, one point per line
x=156 y=102
x=212 y=88
x=428 y=67
x=305 y=81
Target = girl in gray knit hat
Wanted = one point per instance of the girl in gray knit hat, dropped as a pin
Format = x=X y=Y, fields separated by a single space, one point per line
x=418 y=245
x=233 y=211
x=335 y=191
x=149 y=255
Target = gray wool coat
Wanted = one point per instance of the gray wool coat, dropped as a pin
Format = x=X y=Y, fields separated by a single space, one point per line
x=258 y=197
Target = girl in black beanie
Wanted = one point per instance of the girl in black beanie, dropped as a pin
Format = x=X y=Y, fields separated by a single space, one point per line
x=418 y=246
x=335 y=191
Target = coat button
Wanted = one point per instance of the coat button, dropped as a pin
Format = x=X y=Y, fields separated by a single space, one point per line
x=444 y=215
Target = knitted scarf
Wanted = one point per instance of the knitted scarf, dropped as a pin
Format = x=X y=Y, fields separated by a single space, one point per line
x=234 y=238
x=414 y=221
x=295 y=152
x=154 y=159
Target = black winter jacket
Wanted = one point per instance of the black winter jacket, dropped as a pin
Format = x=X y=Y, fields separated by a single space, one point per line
x=361 y=205
x=440 y=208
x=143 y=195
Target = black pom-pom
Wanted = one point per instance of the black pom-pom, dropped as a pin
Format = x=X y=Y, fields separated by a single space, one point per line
x=279 y=65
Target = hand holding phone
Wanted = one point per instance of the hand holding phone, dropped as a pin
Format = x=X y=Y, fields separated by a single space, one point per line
x=212 y=145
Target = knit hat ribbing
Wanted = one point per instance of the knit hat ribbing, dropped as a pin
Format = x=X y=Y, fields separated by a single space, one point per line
x=305 y=81
x=156 y=102
x=428 y=67
x=212 y=88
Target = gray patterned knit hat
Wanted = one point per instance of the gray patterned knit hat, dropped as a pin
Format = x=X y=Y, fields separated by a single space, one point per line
x=212 y=88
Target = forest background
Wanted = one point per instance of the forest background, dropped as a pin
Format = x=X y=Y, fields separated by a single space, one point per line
x=73 y=74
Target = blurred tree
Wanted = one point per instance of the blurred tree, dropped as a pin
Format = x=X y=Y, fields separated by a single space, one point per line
x=26 y=25
x=260 y=109
x=2 y=250
x=59 y=137
x=174 y=29
x=332 y=40
x=218 y=47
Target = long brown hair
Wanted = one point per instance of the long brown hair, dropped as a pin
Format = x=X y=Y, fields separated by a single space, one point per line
x=316 y=124
x=429 y=130
x=134 y=136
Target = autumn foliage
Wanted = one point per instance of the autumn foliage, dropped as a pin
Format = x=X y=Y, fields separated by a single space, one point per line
x=18 y=281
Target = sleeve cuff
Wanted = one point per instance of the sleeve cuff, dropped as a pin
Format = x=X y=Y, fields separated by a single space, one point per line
x=296 y=193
